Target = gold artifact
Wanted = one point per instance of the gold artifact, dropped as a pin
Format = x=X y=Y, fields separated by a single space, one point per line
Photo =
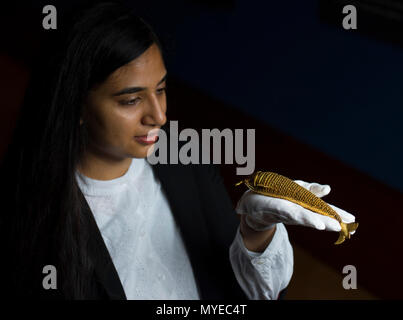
x=274 y=185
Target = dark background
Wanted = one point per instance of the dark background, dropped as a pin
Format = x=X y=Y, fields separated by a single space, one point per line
x=326 y=103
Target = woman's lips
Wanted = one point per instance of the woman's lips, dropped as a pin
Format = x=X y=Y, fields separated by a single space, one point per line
x=147 y=139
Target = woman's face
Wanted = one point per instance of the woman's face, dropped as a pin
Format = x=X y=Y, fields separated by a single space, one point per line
x=122 y=111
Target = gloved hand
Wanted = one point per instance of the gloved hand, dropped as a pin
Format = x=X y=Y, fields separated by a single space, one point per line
x=263 y=212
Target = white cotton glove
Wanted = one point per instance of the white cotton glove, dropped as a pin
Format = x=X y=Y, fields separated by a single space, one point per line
x=263 y=212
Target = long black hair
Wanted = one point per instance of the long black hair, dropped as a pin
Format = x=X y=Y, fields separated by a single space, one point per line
x=44 y=211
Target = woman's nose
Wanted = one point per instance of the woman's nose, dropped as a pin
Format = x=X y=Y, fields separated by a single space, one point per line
x=156 y=113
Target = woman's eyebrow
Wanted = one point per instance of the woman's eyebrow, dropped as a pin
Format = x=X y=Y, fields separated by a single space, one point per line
x=137 y=89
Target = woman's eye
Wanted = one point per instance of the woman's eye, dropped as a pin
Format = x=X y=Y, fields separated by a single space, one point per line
x=161 y=90
x=130 y=101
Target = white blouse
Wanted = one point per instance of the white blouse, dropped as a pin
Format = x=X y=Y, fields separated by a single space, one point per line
x=145 y=243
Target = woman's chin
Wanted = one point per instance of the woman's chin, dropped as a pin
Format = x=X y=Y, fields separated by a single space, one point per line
x=143 y=151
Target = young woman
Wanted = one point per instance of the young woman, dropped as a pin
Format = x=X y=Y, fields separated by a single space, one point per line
x=81 y=201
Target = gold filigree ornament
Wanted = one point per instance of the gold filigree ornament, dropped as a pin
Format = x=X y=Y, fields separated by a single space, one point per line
x=275 y=185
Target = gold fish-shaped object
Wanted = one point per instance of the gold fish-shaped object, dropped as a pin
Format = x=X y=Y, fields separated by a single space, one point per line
x=275 y=185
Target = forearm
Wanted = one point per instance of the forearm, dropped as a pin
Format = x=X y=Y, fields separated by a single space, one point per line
x=256 y=241
x=262 y=276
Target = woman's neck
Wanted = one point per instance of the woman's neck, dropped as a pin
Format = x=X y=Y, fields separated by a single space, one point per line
x=99 y=167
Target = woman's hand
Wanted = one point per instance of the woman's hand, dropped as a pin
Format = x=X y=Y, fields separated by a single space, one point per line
x=263 y=212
